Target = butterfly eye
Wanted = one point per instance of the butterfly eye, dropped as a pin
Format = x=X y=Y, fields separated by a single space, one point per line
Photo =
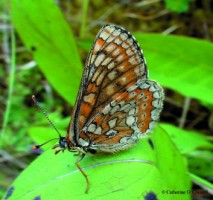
x=63 y=143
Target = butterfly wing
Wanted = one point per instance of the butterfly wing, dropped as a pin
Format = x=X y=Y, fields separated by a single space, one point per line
x=115 y=63
x=127 y=118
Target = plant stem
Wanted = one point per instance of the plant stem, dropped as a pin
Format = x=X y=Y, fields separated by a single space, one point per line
x=11 y=81
x=84 y=18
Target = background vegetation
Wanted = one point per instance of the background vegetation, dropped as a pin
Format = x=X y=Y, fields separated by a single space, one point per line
x=44 y=46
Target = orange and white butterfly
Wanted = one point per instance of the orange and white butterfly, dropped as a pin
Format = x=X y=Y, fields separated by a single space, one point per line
x=116 y=103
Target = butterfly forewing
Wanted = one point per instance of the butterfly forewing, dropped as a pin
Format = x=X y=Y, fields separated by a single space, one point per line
x=115 y=63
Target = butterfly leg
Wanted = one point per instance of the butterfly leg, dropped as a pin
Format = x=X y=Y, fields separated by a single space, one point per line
x=83 y=173
x=77 y=154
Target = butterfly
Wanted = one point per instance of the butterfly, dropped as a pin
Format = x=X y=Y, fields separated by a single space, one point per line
x=116 y=103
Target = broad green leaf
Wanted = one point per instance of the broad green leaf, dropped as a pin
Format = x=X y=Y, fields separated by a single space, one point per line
x=113 y=176
x=43 y=29
x=201 y=163
x=192 y=139
x=195 y=146
x=180 y=63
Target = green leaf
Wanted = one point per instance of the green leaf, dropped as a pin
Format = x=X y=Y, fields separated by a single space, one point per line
x=43 y=29
x=192 y=139
x=201 y=163
x=195 y=146
x=177 y=5
x=111 y=176
x=180 y=63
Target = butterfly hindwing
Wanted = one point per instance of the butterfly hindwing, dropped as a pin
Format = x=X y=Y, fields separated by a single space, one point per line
x=127 y=118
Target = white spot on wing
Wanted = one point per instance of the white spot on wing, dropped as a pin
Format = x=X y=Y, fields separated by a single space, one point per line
x=111 y=133
x=123 y=79
x=97 y=47
x=106 y=110
x=158 y=94
x=137 y=70
x=101 y=77
x=110 y=39
x=155 y=114
x=152 y=88
x=125 y=45
x=121 y=68
x=96 y=74
x=144 y=85
x=110 y=48
x=117 y=32
x=93 y=58
x=111 y=65
x=91 y=128
x=112 y=75
x=106 y=61
x=130 y=120
x=133 y=87
x=133 y=60
x=110 y=89
x=132 y=111
x=83 y=142
x=98 y=131
x=152 y=125
x=89 y=98
x=112 y=123
x=116 y=52
x=157 y=103
x=118 y=41
x=129 y=52
x=114 y=109
x=99 y=59
x=125 y=107
x=120 y=58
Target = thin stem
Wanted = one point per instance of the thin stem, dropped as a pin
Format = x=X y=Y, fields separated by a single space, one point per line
x=184 y=112
x=11 y=81
x=208 y=186
x=84 y=18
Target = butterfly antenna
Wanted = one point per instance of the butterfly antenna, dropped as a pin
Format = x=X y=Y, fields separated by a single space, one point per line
x=45 y=114
x=38 y=146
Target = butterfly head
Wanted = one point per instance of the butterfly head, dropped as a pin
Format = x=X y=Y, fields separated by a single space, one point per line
x=62 y=145
x=63 y=142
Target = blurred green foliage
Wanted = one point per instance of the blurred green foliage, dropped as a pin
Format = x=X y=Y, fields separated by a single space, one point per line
x=179 y=63
x=178 y=5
